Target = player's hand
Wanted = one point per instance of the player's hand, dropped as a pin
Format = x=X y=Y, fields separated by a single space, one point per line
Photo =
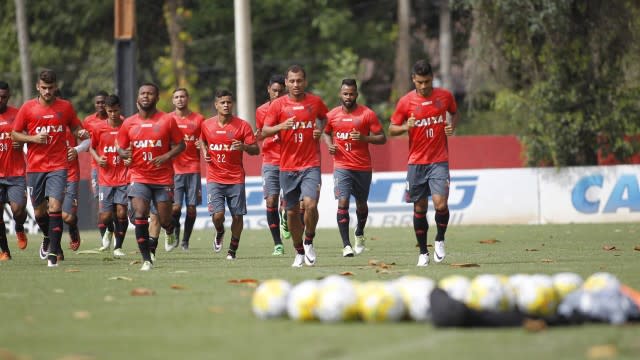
x=17 y=145
x=448 y=130
x=316 y=134
x=197 y=144
x=287 y=124
x=103 y=161
x=127 y=162
x=332 y=149
x=207 y=157
x=125 y=153
x=72 y=154
x=237 y=145
x=83 y=134
x=355 y=135
x=158 y=161
x=41 y=138
x=411 y=121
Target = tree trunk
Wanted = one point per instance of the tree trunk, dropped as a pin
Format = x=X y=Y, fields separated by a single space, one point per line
x=172 y=15
x=445 y=45
x=23 y=43
x=401 y=73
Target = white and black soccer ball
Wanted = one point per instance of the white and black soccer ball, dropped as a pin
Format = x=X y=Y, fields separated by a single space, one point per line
x=416 y=292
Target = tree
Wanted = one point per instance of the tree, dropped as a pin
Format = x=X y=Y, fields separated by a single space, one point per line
x=402 y=61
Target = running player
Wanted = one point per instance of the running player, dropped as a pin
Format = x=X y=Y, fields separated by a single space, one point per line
x=350 y=129
x=42 y=123
x=112 y=173
x=224 y=138
x=271 y=168
x=298 y=119
x=13 y=188
x=70 y=203
x=151 y=139
x=186 y=166
x=423 y=114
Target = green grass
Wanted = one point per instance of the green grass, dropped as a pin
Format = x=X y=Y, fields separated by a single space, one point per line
x=211 y=318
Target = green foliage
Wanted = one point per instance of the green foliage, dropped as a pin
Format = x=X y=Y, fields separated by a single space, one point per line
x=341 y=65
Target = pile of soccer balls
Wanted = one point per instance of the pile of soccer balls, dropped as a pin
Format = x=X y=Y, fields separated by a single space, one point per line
x=337 y=298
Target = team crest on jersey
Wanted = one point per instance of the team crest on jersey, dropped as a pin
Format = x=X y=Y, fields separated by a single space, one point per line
x=438 y=103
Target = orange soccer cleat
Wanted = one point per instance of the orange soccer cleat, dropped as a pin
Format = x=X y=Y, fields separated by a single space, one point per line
x=22 y=240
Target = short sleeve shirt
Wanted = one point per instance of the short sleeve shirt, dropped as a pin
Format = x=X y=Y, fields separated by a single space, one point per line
x=104 y=142
x=188 y=161
x=11 y=160
x=271 y=145
x=226 y=165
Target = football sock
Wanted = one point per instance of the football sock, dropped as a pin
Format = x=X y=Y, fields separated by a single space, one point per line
x=121 y=231
x=308 y=238
x=442 y=221
x=43 y=224
x=274 y=225
x=420 y=227
x=142 y=237
x=176 y=223
x=153 y=244
x=362 y=221
x=110 y=226
x=299 y=249
x=343 y=225
x=233 y=245
x=19 y=227
x=55 y=232
x=4 y=245
x=189 y=221
x=103 y=229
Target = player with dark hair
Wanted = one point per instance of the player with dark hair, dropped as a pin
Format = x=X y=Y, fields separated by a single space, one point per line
x=112 y=173
x=186 y=166
x=224 y=138
x=422 y=113
x=150 y=139
x=42 y=123
x=13 y=188
x=350 y=129
x=298 y=119
x=271 y=168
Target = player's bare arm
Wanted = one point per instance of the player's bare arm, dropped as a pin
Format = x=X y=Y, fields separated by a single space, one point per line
x=373 y=138
x=272 y=130
x=251 y=149
x=205 y=152
x=175 y=150
x=80 y=133
x=328 y=139
x=101 y=160
x=396 y=130
x=451 y=127
x=40 y=138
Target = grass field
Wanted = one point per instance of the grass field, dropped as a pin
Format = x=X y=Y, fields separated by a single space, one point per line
x=78 y=311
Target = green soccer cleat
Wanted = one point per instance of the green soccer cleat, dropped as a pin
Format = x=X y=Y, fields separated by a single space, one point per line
x=278 y=250
x=284 y=226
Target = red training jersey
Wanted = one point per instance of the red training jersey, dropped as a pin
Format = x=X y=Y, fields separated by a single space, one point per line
x=90 y=123
x=271 y=145
x=225 y=166
x=104 y=142
x=148 y=139
x=350 y=154
x=11 y=160
x=34 y=118
x=298 y=149
x=73 y=166
x=427 y=140
x=188 y=161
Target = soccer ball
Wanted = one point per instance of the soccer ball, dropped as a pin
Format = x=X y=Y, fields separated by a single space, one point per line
x=270 y=299
x=601 y=281
x=536 y=296
x=489 y=292
x=302 y=301
x=516 y=280
x=415 y=292
x=456 y=286
x=337 y=300
x=380 y=302
x=566 y=282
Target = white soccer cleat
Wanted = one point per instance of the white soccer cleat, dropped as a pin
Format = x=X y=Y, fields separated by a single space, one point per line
x=118 y=253
x=309 y=254
x=106 y=240
x=153 y=256
x=347 y=251
x=439 y=253
x=230 y=257
x=359 y=248
x=170 y=242
x=217 y=243
x=146 y=266
x=423 y=260
x=298 y=261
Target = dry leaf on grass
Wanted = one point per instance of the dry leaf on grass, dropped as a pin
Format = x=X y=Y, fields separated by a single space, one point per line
x=489 y=241
x=382 y=271
x=546 y=261
x=636 y=248
x=109 y=298
x=374 y=238
x=120 y=278
x=606 y=351
x=242 y=281
x=88 y=252
x=77 y=357
x=216 y=309
x=58 y=291
x=373 y=262
x=177 y=287
x=7 y=355
x=134 y=262
x=72 y=270
x=142 y=292
x=531 y=250
x=346 y=273
x=81 y=315
x=609 y=248
x=534 y=325
x=464 y=265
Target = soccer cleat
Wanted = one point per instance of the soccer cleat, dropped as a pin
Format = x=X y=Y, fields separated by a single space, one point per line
x=61 y=256
x=278 y=250
x=298 y=261
x=217 y=242
x=309 y=254
x=284 y=226
x=359 y=248
x=4 y=256
x=146 y=266
x=52 y=260
x=74 y=244
x=347 y=251
x=231 y=255
x=170 y=242
x=118 y=253
x=22 y=240
x=44 y=247
x=439 y=253
x=423 y=260
x=152 y=255
x=106 y=241
x=185 y=245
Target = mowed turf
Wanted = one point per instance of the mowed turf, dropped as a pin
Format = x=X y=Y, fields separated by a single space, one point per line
x=84 y=308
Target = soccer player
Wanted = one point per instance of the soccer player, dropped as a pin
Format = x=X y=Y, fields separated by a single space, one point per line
x=42 y=123
x=150 y=139
x=271 y=168
x=13 y=188
x=350 y=129
x=224 y=138
x=423 y=114
x=70 y=203
x=112 y=173
x=298 y=119
x=186 y=166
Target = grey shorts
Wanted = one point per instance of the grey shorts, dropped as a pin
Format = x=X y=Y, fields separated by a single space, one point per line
x=297 y=185
x=110 y=196
x=270 y=180
x=187 y=187
x=351 y=182
x=70 y=203
x=150 y=192
x=94 y=182
x=13 y=189
x=43 y=185
x=234 y=195
x=426 y=180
